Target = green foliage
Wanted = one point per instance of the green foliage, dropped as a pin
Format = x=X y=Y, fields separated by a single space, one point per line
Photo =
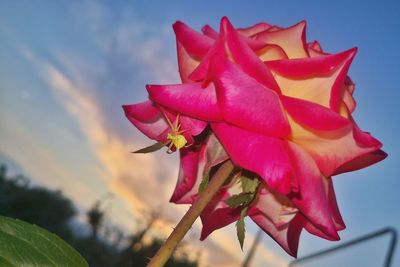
x=37 y=205
x=23 y=244
x=242 y=201
x=152 y=148
x=240 y=227
x=238 y=200
x=54 y=212
x=203 y=184
x=249 y=185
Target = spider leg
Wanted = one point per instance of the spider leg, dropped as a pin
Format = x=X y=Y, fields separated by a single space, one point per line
x=168 y=121
x=169 y=151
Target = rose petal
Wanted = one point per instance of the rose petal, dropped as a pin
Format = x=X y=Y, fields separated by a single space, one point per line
x=246 y=103
x=311 y=199
x=313 y=115
x=336 y=216
x=195 y=43
x=217 y=215
x=308 y=67
x=202 y=71
x=261 y=154
x=276 y=207
x=186 y=63
x=218 y=219
x=292 y=39
x=189 y=164
x=209 y=31
x=315 y=45
x=271 y=52
x=254 y=29
x=246 y=58
x=148 y=119
x=312 y=229
x=189 y=99
x=287 y=237
x=361 y=161
x=330 y=149
x=320 y=88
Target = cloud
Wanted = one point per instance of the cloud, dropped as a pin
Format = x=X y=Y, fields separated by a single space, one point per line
x=91 y=91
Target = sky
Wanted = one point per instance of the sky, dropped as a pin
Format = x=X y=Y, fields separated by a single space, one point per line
x=66 y=67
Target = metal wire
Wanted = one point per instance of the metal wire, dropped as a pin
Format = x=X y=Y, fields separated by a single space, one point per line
x=389 y=255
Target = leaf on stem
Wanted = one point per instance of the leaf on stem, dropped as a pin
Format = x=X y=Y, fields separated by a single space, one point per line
x=152 y=148
x=240 y=227
x=238 y=200
x=204 y=183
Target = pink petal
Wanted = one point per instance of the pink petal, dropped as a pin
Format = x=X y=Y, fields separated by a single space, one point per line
x=261 y=154
x=189 y=159
x=336 y=216
x=330 y=149
x=314 y=230
x=195 y=43
x=202 y=71
x=313 y=115
x=287 y=236
x=217 y=214
x=148 y=119
x=254 y=44
x=317 y=86
x=271 y=52
x=308 y=67
x=194 y=165
x=361 y=162
x=315 y=45
x=254 y=29
x=246 y=103
x=188 y=99
x=192 y=126
x=218 y=219
x=246 y=58
x=315 y=53
x=311 y=199
x=292 y=39
x=276 y=207
x=337 y=88
x=209 y=31
x=186 y=63
x=362 y=138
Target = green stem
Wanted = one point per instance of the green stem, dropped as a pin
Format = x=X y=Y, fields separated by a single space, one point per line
x=165 y=252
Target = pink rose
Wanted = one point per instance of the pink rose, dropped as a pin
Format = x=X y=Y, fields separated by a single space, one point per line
x=279 y=108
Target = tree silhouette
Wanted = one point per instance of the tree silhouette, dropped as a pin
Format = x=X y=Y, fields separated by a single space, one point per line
x=53 y=211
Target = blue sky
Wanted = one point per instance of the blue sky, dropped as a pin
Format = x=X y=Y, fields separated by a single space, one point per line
x=66 y=68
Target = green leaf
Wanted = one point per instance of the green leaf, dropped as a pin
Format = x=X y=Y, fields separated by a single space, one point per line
x=240 y=227
x=23 y=244
x=238 y=200
x=249 y=185
x=203 y=184
x=152 y=148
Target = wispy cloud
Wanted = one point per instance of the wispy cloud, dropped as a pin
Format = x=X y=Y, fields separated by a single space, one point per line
x=143 y=182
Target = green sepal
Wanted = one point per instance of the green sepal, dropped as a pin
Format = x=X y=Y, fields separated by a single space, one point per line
x=240 y=227
x=152 y=148
x=249 y=185
x=238 y=200
x=204 y=183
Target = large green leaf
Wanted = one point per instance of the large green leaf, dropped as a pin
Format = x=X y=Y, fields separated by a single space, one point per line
x=23 y=244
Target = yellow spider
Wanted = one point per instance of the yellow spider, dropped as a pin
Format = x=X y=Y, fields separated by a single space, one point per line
x=175 y=137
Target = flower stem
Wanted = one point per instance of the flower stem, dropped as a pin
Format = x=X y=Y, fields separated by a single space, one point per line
x=165 y=252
